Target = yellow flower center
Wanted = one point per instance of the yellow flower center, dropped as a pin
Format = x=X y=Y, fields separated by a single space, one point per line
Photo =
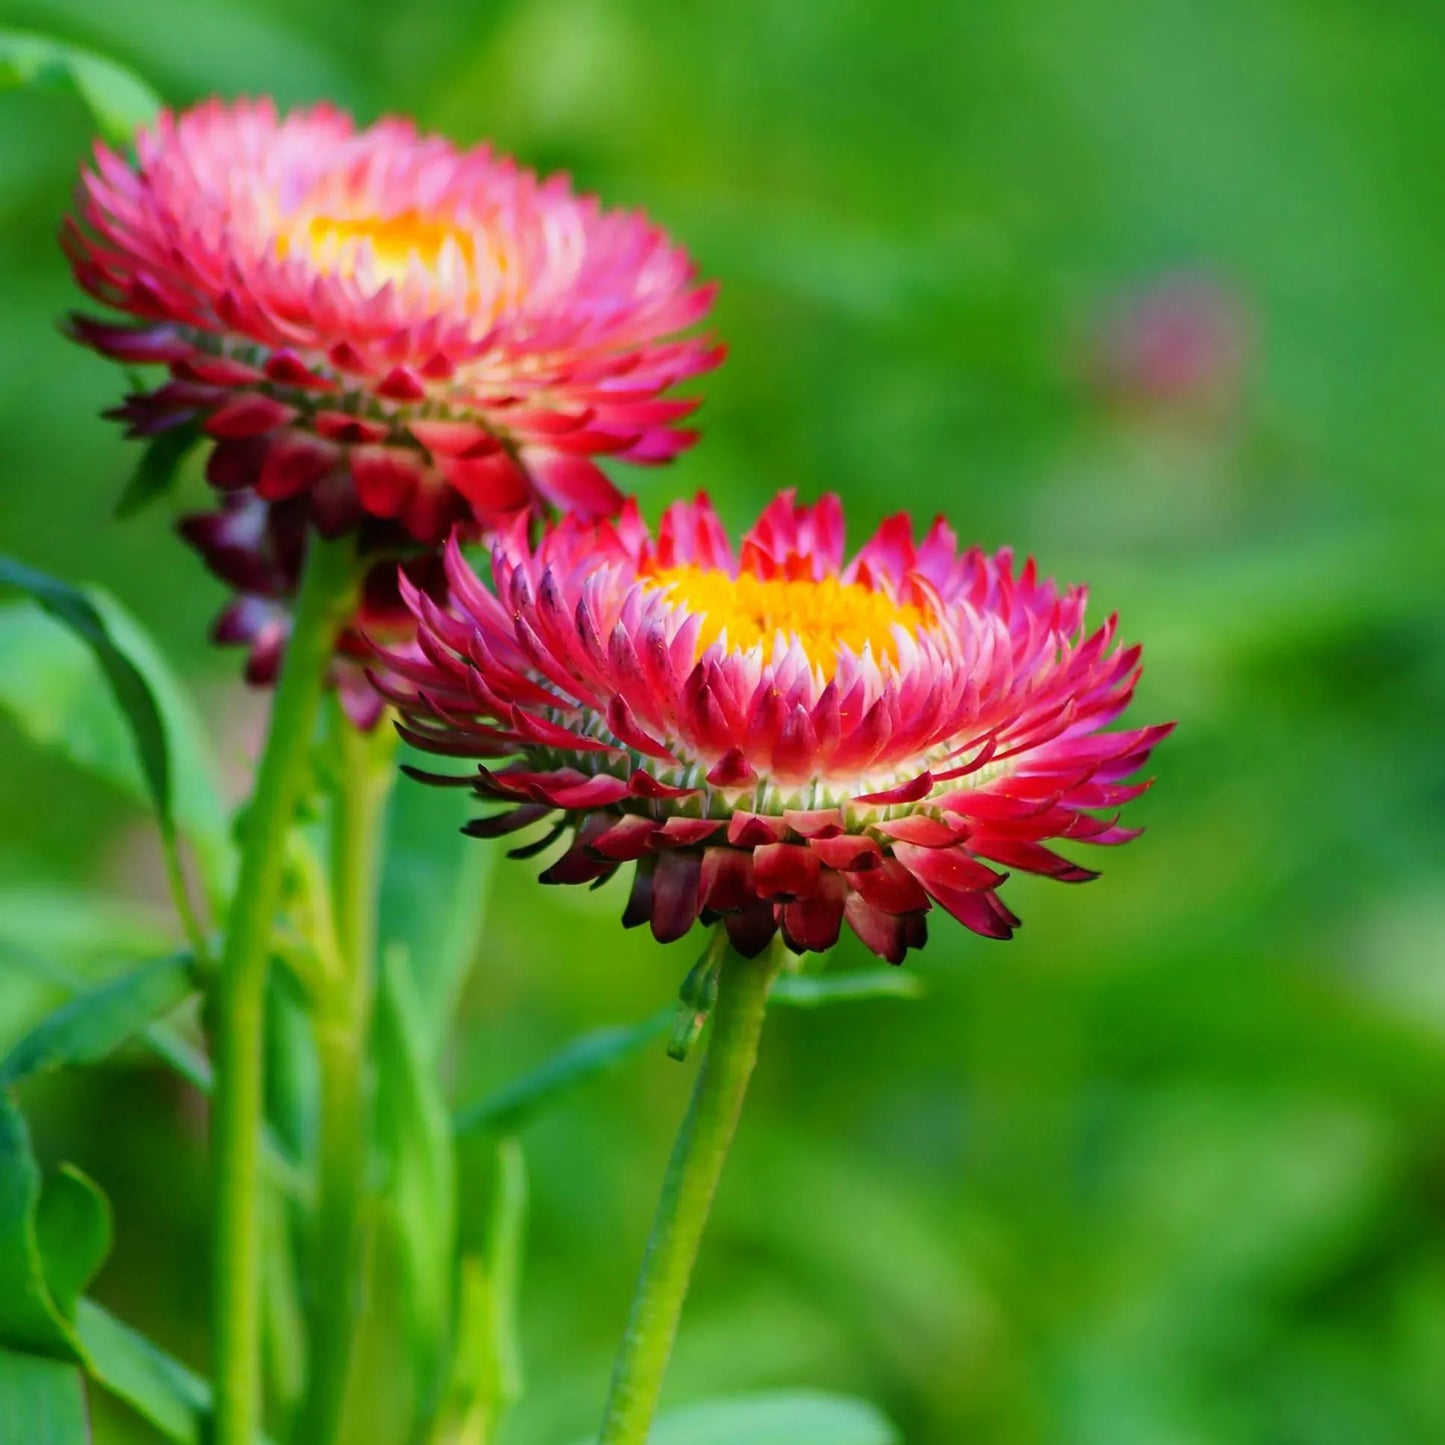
x=335 y=243
x=822 y=617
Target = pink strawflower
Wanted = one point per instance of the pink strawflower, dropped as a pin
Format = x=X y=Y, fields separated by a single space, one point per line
x=775 y=737
x=381 y=323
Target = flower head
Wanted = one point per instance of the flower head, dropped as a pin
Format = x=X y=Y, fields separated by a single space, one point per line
x=775 y=737
x=382 y=324
x=258 y=548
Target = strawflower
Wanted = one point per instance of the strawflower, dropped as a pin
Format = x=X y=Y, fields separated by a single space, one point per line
x=777 y=738
x=382 y=323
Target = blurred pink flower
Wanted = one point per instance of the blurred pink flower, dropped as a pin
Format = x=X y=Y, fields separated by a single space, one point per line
x=1179 y=341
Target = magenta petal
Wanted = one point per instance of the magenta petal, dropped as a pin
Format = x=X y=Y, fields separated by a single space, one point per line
x=732 y=770
x=945 y=867
x=909 y=792
x=597 y=792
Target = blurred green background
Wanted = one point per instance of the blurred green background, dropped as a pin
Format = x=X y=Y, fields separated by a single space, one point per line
x=1152 y=291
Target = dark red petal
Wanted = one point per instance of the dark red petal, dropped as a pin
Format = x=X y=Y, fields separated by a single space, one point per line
x=500 y=824
x=751 y=830
x=684 y=832
x=909 y=792
x=732 y=770
x=783 y=871
x=644 y=785
x=627 y=838
x=639 y=901
x=815 y=823
x=600 y=791
x=946 y=867
x=925 y=831
x=294 y=461
x=675 y=894
x=578 y=865
x=979 y=911
x=385 y=478
x=1031 y=858
x=248 y=414
x=234 y=465
x=727 y=880
x=811 y=925
x=752 y=930
x=889 y=935
x=850 y=852
x=890 y=887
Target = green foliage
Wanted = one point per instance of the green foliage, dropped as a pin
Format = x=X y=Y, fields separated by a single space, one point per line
x=118 y=100
x=94 y=1023
x=414 y=1137
x=599 y=1051
x=485 y=1380
x=42 y=1402
x=33 y=1317
x=156 y=472
x=147 y=1379
x=143 y=736
x=434 y=890
x=799 y=1417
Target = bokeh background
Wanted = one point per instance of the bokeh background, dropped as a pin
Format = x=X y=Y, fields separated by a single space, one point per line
x=1149 y=290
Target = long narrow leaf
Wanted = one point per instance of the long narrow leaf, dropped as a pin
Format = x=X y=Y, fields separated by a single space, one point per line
x=130 y=1367
x=61 y=658
x=602 y=1050
x=119 y=100
x=93 y=1024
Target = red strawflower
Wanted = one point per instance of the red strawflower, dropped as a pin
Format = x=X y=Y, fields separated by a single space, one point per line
x=776 y=738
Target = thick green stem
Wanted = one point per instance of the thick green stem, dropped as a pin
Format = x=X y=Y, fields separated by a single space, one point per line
x=687 y=1195
x=240 y=994
x=361 y=784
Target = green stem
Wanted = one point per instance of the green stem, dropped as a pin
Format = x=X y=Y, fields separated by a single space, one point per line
x=687 y=1194
x=240 y=994
x=361 y=784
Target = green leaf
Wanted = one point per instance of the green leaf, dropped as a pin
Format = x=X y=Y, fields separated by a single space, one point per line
x=56 y=668
x=119 y=100
x=125 y=1363
x=585 y=1058
x=156 y=472
x=132 y=1369
x=599 y=1052
x=486 y=1377
x=42 y=1402
x=813 y=990
x=434 y=889
x=73 y=1235
x=782 y=1417
x=29 y=1320
x=415 y=1138
x=93 y=1024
